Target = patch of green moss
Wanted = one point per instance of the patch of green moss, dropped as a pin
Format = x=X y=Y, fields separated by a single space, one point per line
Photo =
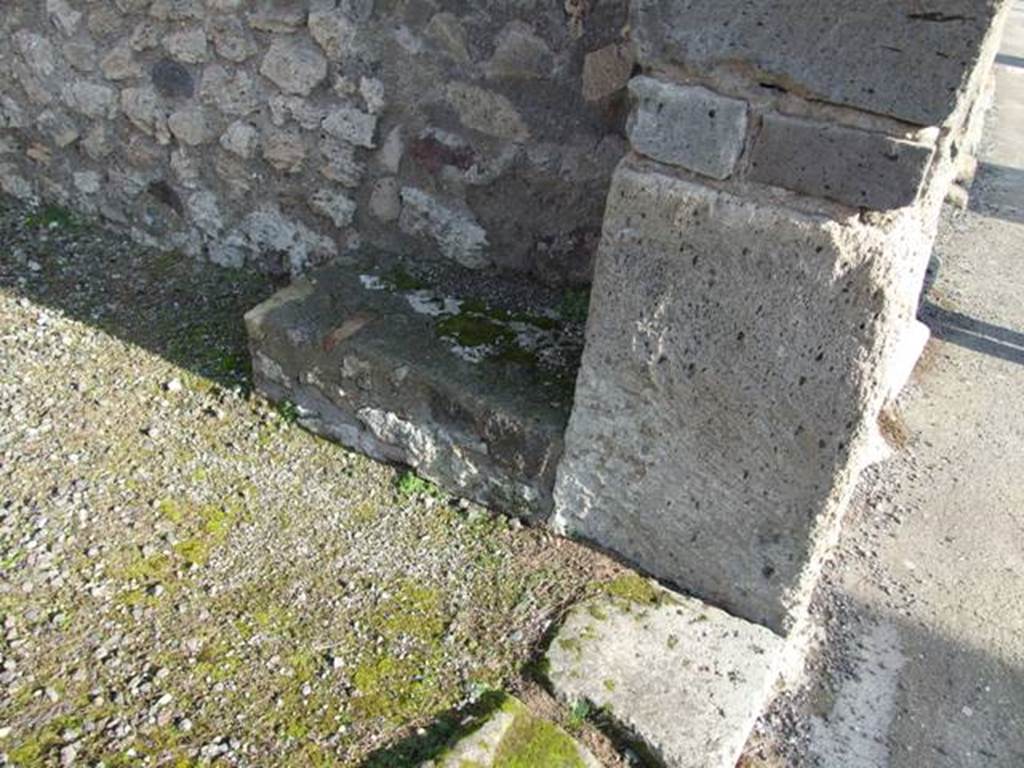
x=288 y=411
x=472 y=330
x=633 y=588
x=364 y=513
x=396 y=689
x=411 y=610
x=575 y=305
x=518 y=356
x=36 y=747
x=410 y=484
x=531 y=742
x=399 y=688
x=52 y=217
x=399 y=279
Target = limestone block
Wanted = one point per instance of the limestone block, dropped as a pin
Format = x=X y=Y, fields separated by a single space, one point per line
x=385 y=200
x=188 y=45
x=333 y=31
x=863 y=169
x=519 y=53
x=58 y=126
x=736 y=361
x=235 y=95
x=335 y=205
x=87 y=182
x=176 y=10
x=284 y=151
x=81 y=55
x=279 y=15
x=190 y=126
x=63 y=16
x=487 y=111
x=142 y=107
x=456 y=233
x=294 y=66
x=340 y=163
x=231 y=39
x=351 y=125
x=687 y=679
x=447 y=30
x=36 y=51
x=606 y=71
x=97 y=142
x=120 y=64
x=241 y=138
x=90 y=99
x=688 y=126
x=912 y=63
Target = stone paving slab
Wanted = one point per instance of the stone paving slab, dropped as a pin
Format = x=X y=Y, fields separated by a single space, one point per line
x=686 y=679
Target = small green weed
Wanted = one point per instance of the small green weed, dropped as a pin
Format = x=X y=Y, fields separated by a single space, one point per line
x=410 y=484
x=578 y=714
x=288 y=411
x=576 y=305
x=52 y=217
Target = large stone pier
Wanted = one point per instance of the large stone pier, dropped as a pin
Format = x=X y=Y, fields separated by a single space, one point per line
x=756 y=287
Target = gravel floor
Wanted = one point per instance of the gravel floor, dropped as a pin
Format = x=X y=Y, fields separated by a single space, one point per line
x=186 y=576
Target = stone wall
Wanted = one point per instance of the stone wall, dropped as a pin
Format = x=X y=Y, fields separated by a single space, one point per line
x=275 y=133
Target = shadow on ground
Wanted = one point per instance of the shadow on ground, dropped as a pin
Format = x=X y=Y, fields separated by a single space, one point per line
x=911 y=696
x=189 y=313
x=997 y=192
x=973 y=334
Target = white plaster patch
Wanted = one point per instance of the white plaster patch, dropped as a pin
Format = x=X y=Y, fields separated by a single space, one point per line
x=372 y=283
x=428 y=303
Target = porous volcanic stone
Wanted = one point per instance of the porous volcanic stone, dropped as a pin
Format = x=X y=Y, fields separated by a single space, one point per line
x=738 y=353
x=863 y=169
x=688 y=126
x=172 y=79
x=911 y=61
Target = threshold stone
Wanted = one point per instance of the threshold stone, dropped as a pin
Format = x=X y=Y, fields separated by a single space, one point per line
x=437 y=372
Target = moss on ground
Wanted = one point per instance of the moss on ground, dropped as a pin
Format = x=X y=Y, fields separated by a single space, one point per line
x=471 y=330
x=305 y=608
x=633 y=588
x=532 y=742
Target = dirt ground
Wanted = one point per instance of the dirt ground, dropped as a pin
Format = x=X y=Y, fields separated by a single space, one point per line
x=187 y=575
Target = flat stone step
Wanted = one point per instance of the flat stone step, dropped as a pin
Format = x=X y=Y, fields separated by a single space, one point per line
x=685 y=679
x=468 y=381
x=514 y=736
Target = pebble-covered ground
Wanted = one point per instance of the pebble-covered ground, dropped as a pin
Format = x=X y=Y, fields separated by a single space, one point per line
x=186 y=576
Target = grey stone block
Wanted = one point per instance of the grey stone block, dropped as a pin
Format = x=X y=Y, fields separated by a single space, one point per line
x=409 y=375
x=863 y=169
x=685 y=678
x=736 y=360
x=893 y=58
x=688 y=126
